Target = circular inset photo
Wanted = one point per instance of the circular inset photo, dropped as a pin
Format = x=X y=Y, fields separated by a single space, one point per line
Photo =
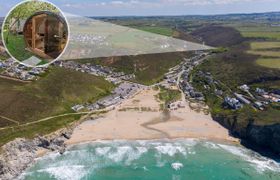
x=35 y=33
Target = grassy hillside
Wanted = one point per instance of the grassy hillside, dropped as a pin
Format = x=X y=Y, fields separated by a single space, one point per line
x=237 y=66
x=53 y=94
x=148 y=69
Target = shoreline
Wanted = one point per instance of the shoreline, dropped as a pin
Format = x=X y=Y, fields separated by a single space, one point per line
x=218 y=141
x=140 y=118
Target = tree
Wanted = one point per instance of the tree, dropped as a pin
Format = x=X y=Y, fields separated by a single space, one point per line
x=24 y=11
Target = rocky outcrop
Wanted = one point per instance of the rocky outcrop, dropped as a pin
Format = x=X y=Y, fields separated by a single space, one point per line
x=260 y=137
x=265 y=136
x=21 y=153
x=16 y=157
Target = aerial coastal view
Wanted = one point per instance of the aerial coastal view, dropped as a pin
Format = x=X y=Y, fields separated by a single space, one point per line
x=147 y=90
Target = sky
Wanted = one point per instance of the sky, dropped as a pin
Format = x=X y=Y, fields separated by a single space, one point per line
x=155 y=7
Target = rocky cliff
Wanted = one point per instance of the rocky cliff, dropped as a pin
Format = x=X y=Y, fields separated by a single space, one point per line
x=21 y=153
x=257 y=136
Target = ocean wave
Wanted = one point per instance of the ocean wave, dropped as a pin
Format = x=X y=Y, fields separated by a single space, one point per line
x=170 y=149
x=210 y=145
x=74 y=172
x=259 y=162
x=177 y=166
x=101 y=151
x=86 y=160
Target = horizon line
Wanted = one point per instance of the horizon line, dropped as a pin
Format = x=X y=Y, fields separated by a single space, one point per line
x=181 y=15
x=166 y=15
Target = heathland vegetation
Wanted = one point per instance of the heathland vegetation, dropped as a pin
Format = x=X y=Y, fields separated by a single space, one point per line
x=54 y=94
x=148 y=69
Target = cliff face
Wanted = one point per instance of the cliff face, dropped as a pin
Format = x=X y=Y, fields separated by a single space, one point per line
x=19 y=154
x=266 y=137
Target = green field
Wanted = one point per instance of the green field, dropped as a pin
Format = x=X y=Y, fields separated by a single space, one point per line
x=262 y=35
x=269 y=62
x=265 y=45
x=168 y=96
x=268 y=52
x=157 y=30
x=16 y=46
x=265 y=53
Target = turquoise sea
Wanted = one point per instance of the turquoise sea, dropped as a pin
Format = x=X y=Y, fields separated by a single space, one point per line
x=180 y=159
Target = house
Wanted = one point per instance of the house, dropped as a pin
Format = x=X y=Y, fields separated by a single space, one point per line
x=219 y=92
x=241 y=98
x=259 y=105
x=244 y=87
x=109 y=101
x=77 y=107
x=260 y=91
x=233 y=103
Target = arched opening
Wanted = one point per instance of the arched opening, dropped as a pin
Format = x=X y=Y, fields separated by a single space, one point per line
x=45 y=34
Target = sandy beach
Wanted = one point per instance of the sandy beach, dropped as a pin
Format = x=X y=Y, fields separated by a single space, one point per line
x=140 y=117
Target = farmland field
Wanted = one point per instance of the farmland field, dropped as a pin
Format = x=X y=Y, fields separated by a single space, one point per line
x=266 y=53
x=262 y=35
x=270 y=63
x=265 y=45
x=269 y=53
x=158 y=30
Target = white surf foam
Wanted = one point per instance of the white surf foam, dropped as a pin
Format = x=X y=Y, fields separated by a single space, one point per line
x=101 y=151
x=177 y=166
x=170 y=149
x=211 y=145
x=119 y=154
x=259 y=162
x=74 y=172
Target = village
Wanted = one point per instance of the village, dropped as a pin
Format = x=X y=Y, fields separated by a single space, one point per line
x=124 y=91
x=108 y=73
x=257 y=97
x=12 y=69
x=127 y=89
x=178 y=77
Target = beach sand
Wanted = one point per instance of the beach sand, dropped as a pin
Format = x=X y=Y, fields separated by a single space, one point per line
x=140 y=118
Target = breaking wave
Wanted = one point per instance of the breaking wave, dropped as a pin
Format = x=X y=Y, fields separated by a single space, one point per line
x=84 y=160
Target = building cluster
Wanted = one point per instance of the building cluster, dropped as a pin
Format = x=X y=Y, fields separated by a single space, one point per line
x=189 y=90
x=184 y=82
x=232 y=103
x=13 y=69
x=122 y=92
x=89 y=39
x=97 y=70
x=269 y=97
x=258 y=99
